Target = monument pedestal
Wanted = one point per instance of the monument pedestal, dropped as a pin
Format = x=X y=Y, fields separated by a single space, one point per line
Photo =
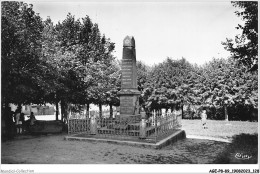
x=129 y=102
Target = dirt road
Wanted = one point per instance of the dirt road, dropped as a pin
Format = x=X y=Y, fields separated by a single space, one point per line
x=53 y=149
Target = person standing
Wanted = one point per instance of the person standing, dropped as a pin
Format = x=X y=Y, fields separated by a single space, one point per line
x=13 y=127
x=18 y=123
x=22 y=122
x=203 y=119
x=10 y=126
x=32 y=119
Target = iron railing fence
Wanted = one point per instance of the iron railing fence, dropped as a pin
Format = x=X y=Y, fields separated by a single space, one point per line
x=150 y=126
x=158 y=124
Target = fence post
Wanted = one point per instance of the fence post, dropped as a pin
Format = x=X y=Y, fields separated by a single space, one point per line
x=156 y=112
x=87 y=115
x=179 y=122
x=93 y=125
x=172 y=117
x=142 y=133
x=68 y=122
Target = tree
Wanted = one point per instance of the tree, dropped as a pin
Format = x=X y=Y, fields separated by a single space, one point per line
x=22 y=66
x=245 y=46
x=166 y=86
x=228 y=85
x=24 y=71
x=143 y=71
x=61 y=64
x=221 y=85
x=113 y=86
x=91 y=60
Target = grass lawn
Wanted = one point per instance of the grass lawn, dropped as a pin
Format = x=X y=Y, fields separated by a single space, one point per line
x=219 y=129
x=243 y=136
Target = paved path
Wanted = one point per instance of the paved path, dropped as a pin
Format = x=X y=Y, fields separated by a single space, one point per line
x=209 y=138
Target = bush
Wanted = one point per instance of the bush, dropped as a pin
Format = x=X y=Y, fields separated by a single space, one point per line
x=236 y=112
x=242 y=112
x=215 y=113
x=190 y=115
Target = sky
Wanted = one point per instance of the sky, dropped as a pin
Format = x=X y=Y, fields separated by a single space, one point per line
x=190 y=29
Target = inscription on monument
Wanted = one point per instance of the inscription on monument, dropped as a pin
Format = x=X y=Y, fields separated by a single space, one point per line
x=129 y=95
x=127 y=75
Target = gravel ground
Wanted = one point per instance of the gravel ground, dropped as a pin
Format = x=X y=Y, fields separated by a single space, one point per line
x=53 y=149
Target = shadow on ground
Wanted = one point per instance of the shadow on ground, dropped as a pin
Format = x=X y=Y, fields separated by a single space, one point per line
x=242 y=150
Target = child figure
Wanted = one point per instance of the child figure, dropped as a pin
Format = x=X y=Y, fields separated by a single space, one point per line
x=32 y=119
x=203 y=119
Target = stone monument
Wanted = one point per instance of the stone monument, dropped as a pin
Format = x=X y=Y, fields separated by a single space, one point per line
x=129 y=94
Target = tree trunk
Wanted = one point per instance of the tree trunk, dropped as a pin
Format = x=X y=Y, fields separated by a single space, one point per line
x=7 y=118
x=20 y=107
x=226 y=112
x=57 y=110
x=62 y=107
x=182 y=114
x=87 y=111
x=64 y=111
x=100 y=110
x=111 y=110
x=191 y=112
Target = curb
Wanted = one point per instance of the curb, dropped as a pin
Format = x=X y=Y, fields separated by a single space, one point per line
x=180 y=134
x=208 y=138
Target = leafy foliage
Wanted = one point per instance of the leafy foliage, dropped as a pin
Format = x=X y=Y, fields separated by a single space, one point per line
x=22 y=65
x=72 y=63
x=217 y=84
x=245 y=46
x=49 y=63
x=165 y=86
x=82 y=58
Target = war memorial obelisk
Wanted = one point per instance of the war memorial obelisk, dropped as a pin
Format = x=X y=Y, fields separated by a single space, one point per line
x=130 y=124
x=129 y=94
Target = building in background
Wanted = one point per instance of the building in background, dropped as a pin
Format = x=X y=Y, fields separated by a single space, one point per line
x=47 y=109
